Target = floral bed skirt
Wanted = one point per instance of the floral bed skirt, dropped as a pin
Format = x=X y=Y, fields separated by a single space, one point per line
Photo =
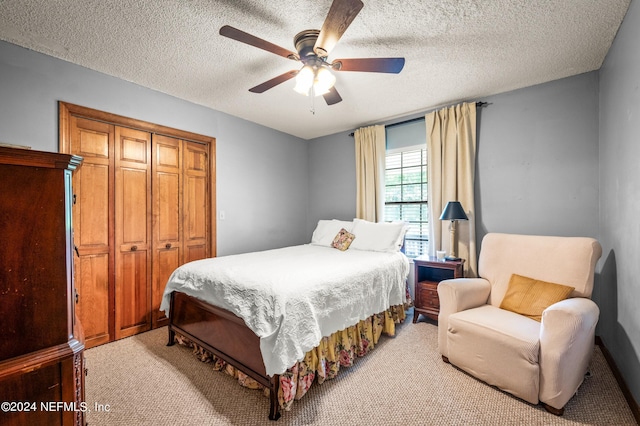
x=322 y=362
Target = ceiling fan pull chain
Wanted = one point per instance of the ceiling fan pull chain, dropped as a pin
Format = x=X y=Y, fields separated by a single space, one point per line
x=312 y=95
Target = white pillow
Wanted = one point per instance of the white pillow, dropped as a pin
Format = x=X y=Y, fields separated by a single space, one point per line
x=383 y=236
x=326 y=231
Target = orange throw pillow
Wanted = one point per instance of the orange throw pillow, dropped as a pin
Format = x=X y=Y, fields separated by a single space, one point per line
x=529 y=297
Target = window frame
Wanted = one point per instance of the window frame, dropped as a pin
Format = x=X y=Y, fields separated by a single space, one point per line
x=423 y=236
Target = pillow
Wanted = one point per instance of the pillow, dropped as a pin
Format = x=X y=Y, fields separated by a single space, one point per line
x=383 y=236
x=343 y=240
x=326 y=231
x=529 y=297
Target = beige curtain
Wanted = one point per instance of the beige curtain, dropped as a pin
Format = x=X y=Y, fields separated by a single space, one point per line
x=370 y=159
x=451 y=158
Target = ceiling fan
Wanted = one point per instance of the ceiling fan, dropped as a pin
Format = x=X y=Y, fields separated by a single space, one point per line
x=313 y=48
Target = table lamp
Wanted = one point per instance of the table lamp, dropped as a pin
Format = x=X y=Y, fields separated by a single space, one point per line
x=453 y=211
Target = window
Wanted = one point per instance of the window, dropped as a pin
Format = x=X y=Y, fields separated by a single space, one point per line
x=406 y=196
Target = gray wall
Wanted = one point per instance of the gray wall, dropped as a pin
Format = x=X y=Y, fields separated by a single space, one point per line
x=536 y=169
x=332 y=179
x=619 y=291
x=262 y=179
x=537 y=160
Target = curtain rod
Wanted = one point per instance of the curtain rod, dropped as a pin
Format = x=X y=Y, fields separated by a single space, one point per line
x=478 y=105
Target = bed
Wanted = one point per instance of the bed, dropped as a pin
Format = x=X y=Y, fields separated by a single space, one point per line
x=264 y=313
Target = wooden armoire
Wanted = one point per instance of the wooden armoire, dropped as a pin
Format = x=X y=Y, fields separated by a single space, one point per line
x=41 y=344
x=144 y=197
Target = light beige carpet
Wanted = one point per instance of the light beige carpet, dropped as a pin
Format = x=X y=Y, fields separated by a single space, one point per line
x=403 y=381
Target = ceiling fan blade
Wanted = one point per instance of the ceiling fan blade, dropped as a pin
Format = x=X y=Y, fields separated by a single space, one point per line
x=247 y=38
x=388 y=65
x=332 y=96
x=274 y=82
x=340 y=16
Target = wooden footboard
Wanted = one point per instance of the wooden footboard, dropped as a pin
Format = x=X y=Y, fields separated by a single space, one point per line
x=226 y=336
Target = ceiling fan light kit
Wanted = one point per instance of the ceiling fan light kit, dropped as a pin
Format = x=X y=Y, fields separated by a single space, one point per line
x=314 y=81
x=315 y=77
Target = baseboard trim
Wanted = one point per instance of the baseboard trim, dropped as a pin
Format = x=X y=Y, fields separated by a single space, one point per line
x=633 y=404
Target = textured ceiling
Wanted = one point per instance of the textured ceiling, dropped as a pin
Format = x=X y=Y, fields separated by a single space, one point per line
x=455 y=50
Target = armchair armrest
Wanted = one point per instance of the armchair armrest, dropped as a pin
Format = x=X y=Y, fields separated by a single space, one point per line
x=567 y=335
x=458 y=295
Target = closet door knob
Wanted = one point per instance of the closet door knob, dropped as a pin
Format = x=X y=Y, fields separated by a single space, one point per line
x=134 y=248
x=168 y=245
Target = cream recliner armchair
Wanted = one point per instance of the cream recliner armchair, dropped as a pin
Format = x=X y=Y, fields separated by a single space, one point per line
x=536 y=361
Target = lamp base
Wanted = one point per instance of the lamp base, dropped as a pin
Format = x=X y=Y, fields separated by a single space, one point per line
x=452 y=258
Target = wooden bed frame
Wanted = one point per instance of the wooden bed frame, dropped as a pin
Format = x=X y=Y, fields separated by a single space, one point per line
x=226 y=336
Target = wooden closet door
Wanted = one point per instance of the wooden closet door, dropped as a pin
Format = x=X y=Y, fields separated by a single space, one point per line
x=196 y=212
x=143 y=208
x=132 y=232
x=92 y=224
x=167 y=226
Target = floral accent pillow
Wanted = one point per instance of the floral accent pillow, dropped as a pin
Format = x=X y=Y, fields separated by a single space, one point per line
x=343 y=240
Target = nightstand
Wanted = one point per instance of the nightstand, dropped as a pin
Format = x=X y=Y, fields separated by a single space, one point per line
x=429 y=271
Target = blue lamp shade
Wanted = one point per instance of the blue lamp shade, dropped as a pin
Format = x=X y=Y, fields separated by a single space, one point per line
x=453 y=211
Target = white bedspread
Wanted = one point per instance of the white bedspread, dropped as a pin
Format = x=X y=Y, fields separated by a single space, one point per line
x=292 y=297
